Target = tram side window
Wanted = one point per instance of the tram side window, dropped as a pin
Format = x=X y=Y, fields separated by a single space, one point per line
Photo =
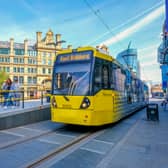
x=105 y=76
x=120 y=78
x=113 y=76
x=97 y=78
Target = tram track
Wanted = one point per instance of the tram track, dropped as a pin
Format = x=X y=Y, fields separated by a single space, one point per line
x=76 y=142
x=26 y=139
x=50 y=147
x=52 y=156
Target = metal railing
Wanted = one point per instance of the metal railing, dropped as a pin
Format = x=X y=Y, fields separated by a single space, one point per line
x=18 y=98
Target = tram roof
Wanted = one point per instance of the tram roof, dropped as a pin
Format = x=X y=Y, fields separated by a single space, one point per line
x=97 y=52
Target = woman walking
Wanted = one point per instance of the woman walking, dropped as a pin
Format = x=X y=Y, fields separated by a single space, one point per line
x=6 y=92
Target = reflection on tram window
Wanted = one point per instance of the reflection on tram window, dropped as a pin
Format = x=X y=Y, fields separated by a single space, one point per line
x=75 y=83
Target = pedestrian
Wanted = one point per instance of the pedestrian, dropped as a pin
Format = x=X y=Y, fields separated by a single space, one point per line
x=6 y=92
x=2 y=93
x=15 y=87
x=164 y=103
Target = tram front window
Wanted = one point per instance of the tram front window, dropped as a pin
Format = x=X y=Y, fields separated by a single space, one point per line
x=71 y=79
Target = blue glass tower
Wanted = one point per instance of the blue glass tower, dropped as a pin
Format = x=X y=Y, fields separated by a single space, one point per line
x=129 y=59
x=163 y=52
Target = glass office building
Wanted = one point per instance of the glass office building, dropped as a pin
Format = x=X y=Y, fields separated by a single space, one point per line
x=129 y=59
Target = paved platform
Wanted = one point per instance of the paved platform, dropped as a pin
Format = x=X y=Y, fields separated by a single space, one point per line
x=28 y=104
x=144 y=146
x=33 y=111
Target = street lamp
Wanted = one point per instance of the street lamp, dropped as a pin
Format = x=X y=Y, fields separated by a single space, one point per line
x=56 y=43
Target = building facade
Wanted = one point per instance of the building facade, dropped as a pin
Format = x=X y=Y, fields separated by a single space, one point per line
x=129 y=59
x=31 y=64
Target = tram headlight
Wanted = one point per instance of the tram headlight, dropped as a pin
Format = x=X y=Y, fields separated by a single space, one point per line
x=53 y=102
x=85 y=103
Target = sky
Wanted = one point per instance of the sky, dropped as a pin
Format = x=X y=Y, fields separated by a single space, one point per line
x=91 y=22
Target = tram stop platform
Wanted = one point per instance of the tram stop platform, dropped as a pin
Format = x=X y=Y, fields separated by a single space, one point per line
x=34 y=110
x=145 y=145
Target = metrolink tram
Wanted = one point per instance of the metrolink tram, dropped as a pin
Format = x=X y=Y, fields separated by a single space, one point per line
x=91 y=88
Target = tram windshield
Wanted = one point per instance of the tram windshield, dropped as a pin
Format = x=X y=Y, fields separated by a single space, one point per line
x=71 y=78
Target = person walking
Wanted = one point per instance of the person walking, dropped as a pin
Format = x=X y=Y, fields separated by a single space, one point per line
x=15 y=87
x=6 y=92
x=2 y=93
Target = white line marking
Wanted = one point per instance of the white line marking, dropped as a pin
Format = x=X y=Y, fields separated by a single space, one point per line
x=12 y=133
x=105 y=142
x=30 y=129
x=93 y=150
x=48 y=141
x=71 y=136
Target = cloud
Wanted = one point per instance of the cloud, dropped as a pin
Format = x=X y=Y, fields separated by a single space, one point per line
x=147 y=56
x=148 y=64
x=135 y=27
x=154 y=46
x=152 y=74
x=126 y=22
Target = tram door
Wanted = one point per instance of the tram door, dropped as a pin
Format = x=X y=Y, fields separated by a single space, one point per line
x=102 y=90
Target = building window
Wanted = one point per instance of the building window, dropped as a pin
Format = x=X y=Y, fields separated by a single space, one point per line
x=32 y=53
x=44 y=54
x=7 y=69
x=21 y=79
x=18 y=69
x=6 y=59
x=15 y=78
x=34 y=80
x=29 y=80
x=4 y=51
x=32 y=70
x=15 y=60
x=14 y=69
x=49 y=71
x=49 y=62
x=21 y=60
x=49 y=54
x=32 y=61
x=44 y=71
x=22 y=70
x=29 y=61
x=44 y=61
x=19 y=51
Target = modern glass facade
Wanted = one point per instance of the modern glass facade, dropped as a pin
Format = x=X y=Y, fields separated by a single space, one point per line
x=163 y=58
x=128 y=58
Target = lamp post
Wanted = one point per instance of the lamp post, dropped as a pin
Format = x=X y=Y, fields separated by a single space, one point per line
x=56 y=43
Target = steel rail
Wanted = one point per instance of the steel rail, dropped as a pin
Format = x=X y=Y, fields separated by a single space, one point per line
x=61 y=149
x=20 y=141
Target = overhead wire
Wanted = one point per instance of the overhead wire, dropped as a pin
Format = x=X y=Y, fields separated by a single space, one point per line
x=97 y=14
x=128 y=21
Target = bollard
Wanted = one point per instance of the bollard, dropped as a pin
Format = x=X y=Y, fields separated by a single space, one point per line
x=41 y=97
x=23 y=99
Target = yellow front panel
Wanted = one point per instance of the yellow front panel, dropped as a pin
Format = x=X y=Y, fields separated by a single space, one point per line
x=68 y=110
x=70 y=116
x=101 y=111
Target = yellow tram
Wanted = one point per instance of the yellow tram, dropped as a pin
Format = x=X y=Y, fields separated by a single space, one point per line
x=91 y=88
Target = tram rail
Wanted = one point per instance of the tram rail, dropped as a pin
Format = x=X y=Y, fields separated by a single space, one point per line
x=26 y=139
x=72 y=144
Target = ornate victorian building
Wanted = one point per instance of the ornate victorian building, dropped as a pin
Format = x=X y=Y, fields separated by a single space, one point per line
x=31 y=64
